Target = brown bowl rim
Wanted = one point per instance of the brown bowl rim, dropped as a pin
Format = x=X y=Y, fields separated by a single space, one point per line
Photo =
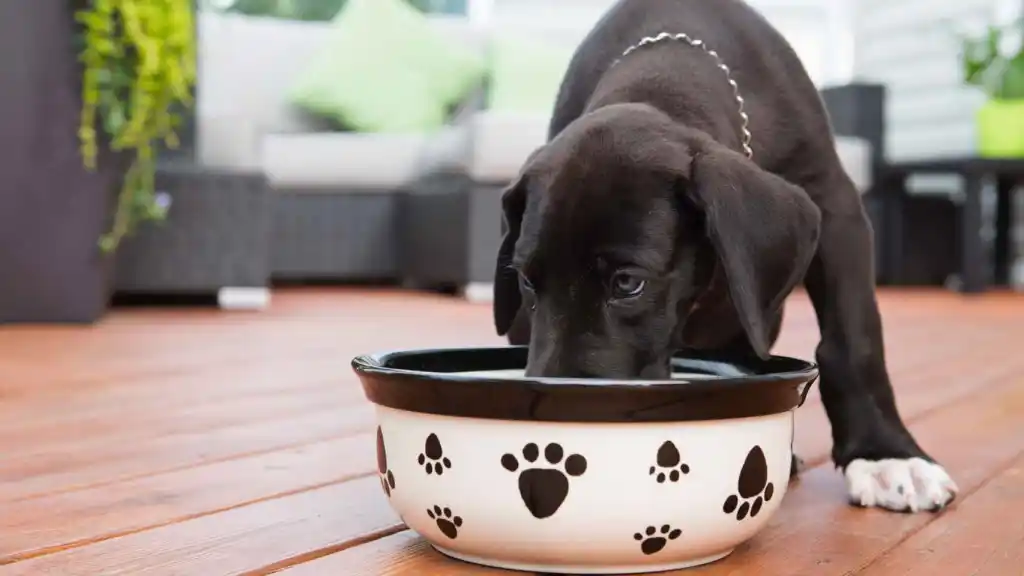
x=429 y=381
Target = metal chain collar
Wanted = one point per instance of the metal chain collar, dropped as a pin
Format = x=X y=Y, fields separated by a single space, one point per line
x=744 y=119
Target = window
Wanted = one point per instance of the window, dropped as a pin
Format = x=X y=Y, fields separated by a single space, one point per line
x=820 y=31
x=318 y=10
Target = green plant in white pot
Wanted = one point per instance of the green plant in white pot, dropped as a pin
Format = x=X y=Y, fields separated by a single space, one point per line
x=986 y=64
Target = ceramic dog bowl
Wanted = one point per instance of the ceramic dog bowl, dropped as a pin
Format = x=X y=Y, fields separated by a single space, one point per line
x=582 y=475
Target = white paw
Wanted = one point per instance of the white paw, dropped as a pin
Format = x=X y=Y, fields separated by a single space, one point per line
x=910 y=485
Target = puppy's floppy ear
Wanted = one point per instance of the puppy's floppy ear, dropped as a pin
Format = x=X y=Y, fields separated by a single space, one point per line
x=507 y=298
x=764 y=229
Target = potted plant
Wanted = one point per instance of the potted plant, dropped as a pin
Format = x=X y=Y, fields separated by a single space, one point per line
x=140 y=64
x=999 y=73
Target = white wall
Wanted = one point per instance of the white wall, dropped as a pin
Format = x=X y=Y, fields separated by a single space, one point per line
x=564 y=21
x=909 y=46
x=817 y=29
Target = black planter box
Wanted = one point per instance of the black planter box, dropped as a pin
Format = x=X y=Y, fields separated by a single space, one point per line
x=52 y=210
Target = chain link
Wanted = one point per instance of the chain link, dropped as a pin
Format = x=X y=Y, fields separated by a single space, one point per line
x=744 y=119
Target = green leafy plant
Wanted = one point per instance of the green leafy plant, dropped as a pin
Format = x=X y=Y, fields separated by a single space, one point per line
x=139 y=59
x=319 y=10
x=999 y=75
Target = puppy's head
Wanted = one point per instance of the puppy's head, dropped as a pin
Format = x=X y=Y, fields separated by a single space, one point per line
x=614 y=230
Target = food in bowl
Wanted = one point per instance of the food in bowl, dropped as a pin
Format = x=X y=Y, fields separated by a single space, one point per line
x=582 y=475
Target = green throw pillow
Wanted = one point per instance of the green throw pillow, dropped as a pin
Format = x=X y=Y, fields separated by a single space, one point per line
x=386 y=69
x=526 y=75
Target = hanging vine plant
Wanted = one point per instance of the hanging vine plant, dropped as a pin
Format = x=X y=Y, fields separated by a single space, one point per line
x=139 y=58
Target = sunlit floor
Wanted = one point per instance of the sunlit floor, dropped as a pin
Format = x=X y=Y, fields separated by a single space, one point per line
x=203 y=442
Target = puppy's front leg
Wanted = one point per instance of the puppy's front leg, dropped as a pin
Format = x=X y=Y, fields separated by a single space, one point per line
x=883 y=464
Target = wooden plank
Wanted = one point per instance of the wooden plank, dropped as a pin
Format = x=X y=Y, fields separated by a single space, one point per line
x=132 y=345
x=36 y=462
x=920 y=354
x=127 y=361
x=67 y=457
x=916 y=394
x=152 y=423
x=181 y=374
x=30 y=530
x=144 y=424
x=974 y=540
x=75 y=451
x=816 y=531
x=402 y=553
x=917 y=371
x=235 y=541
x=128 y=358
x=171 y=453
x=94 y=421
x=182 y=388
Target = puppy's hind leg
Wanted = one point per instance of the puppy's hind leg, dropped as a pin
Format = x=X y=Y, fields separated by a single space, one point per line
x=883 y=464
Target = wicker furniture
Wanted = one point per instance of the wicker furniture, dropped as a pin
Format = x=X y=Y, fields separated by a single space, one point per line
x=978 y=268
x=215 y=238
x=335 y=195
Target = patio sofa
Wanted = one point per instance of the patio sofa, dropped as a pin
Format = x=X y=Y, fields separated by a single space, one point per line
x=335 y=194
x=420 y=208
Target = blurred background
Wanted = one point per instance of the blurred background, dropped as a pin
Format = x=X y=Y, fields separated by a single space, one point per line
x=208 y=208
x=240 y=145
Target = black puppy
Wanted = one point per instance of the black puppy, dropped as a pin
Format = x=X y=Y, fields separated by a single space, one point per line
x=646 y=225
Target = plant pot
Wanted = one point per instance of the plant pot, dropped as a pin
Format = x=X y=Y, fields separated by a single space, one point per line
x=52 y=210
x=1000 y=125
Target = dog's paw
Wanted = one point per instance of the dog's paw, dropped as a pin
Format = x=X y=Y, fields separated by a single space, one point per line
x=910 y=485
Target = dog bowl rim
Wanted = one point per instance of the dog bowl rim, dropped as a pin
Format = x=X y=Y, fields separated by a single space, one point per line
x=582 y=400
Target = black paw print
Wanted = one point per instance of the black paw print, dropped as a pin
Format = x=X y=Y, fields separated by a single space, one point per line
x=432 y=459
x=543 y=490
x=653 y=541
x=387 y=479
x=752 y=485
x=669 y=465
x=448 y=525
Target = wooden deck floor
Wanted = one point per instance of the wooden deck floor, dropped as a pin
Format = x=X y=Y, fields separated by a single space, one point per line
x=203 y=443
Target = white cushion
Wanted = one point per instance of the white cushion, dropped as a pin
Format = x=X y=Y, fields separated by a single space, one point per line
x=502 y=141
x=337 y=162
x=229 y=141
x=327 y=161
x=855 y=156
x=448 y=150
x=246 y=67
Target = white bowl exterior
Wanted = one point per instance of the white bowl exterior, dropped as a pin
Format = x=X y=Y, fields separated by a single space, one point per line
x=617 y=496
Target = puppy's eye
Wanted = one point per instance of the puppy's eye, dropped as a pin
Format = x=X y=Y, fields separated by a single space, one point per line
x=625 y=285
